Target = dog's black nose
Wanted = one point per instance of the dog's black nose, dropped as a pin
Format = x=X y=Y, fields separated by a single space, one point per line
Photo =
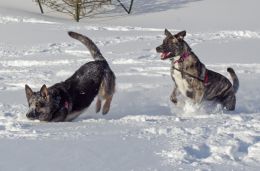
x=31 y=115
x=158 y=49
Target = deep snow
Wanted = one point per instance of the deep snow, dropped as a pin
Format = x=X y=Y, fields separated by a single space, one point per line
x=144 y=130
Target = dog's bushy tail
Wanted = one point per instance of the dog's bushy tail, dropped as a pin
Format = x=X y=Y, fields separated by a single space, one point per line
x=234 y=78
x=95 y=52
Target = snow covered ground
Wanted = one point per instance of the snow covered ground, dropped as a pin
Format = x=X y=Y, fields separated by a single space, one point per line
x=143 y=131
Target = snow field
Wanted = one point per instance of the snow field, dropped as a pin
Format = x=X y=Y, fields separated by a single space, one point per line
x=144 y=130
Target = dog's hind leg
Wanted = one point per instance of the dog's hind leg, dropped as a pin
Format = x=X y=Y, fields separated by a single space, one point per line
x=98 y=104
x=229 y=102
x=106 y=91
x=106 y=105
x=100 y=97
x=104 y=95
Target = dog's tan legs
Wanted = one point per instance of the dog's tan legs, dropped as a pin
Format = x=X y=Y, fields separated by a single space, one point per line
x=98 y=105
x=106 y=105
x=106 y=92
x=101 y=94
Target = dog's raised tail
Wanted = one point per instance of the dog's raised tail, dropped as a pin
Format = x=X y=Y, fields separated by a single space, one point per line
x=95 y=52
x=234 y=78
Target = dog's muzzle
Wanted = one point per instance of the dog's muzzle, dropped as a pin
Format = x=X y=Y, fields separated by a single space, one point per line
x=31 y=115
x=165 y=55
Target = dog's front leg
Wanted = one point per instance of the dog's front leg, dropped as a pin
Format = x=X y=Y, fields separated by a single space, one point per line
x=174 y=94
x=198 y=96
x=60 y=116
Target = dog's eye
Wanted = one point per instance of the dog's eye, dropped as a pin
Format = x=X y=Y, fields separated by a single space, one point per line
x=40 y=104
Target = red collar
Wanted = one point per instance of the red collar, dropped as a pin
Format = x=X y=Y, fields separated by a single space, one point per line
x=206 y=79
x=66 y=105
x=182 y=58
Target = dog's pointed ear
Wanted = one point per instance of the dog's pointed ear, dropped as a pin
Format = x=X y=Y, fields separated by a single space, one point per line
x=28 y=92
x=167 y=33
x=181 y=35
x=44 y=91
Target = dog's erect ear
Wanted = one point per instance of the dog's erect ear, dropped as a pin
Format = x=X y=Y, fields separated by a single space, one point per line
x=44 y=91
x=28 y=92
x=181 y=35
x=167 y=33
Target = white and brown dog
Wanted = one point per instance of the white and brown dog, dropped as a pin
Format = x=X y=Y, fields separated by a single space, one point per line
x=192 y=79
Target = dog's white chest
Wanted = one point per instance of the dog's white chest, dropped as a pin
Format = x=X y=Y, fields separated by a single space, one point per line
x=182 y=84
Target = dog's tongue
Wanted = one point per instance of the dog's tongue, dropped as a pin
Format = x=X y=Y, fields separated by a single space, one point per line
x=165 y=55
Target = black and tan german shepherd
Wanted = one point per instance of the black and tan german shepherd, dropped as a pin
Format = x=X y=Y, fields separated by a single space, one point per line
x=64 y=101
x=192 y=79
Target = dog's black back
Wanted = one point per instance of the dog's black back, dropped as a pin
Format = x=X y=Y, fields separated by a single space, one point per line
x=83 y=85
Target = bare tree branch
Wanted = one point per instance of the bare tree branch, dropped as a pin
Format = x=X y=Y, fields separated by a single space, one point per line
x=76 y=8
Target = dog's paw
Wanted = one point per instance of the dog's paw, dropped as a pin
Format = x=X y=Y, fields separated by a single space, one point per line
x=106 y=107
x=174 y=100
x=105 y=110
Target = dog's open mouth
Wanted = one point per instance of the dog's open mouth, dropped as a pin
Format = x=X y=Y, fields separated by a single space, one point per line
x=165 y=55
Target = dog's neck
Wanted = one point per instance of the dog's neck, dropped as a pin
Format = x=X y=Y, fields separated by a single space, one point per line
x=180 y=58
x=185 y=55
x=61 y=100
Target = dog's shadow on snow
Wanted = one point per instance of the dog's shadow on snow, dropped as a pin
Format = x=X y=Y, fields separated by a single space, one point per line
x=170 y=109
x=143 y=7
x=115 y=114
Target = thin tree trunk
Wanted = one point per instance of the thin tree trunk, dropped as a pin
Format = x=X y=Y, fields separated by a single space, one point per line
x=77 y=12
x=40 y=5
